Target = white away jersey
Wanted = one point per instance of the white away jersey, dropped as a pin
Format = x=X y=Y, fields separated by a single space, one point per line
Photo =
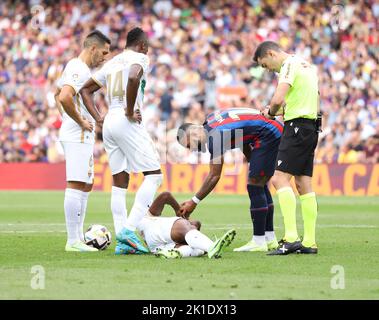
x=114 y=76
x=75 y=74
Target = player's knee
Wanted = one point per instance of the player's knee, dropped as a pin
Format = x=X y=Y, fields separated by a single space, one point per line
x=164 y=196
x=280 y=179
x=298 y=186
x=303 y=184
x=196 y=224
x=88 y=187
x=179 y=230
x=121 y=181
x=77 y=185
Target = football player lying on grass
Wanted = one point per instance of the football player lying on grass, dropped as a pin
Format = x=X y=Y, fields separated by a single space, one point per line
x=174 y=237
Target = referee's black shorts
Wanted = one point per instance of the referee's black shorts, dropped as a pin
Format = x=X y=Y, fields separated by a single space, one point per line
x=297 y=146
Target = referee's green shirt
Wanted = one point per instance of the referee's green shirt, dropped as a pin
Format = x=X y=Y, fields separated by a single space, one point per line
x=302 y=98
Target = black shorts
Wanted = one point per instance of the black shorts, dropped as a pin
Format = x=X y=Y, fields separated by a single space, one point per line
x=297 y=147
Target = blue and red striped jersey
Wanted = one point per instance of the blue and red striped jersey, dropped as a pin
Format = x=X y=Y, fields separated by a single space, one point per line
x=233 y=128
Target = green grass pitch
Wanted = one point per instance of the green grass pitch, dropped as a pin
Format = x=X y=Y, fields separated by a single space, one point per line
x=32 y=232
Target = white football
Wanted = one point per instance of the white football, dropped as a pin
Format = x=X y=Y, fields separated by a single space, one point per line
x=98 y=236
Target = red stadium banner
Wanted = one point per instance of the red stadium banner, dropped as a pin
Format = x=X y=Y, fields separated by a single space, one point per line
x=32 y=176
x=228 y=97
x=351 y=180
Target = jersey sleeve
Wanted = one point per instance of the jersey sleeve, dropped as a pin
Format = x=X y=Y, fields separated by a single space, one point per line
x=142 y=60
x=74 y=76
x=58 y=83
x=288 y=72
x=100 y=76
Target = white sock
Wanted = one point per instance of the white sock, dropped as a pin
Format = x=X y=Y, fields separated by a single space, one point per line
x=72 y=207
x=259 y=240
x=198 y=240
x=83 y=214
x=144 y=199
x=270 y=236
x=188 y=251
x=118 y=208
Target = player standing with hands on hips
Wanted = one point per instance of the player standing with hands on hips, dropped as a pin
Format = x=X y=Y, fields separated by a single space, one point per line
x=77 y=135
x=297 y=93
x=126 y=140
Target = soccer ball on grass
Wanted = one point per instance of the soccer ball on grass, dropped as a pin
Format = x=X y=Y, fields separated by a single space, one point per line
x=98 y=236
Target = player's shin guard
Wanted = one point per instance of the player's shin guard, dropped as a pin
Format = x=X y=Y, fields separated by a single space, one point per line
x=118 y=208
x=198 y=240
x=309 y=212
x=258 y=212
x=269 y=234
x=144 y=198
x=72 y=208
x=83 y=214
x=188 y=251
x=287 y=202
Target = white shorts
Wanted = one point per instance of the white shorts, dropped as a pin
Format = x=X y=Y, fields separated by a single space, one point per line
x=79 y=161
x=128 y=145
x=157 y=232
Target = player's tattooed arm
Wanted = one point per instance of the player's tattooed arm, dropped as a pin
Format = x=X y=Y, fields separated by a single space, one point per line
x=66 y=98
x=87 y=92
x=135 y=75
x=158 y=204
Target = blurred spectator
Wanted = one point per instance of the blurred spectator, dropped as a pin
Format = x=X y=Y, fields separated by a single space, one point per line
x=371 y=149
x=196 y=47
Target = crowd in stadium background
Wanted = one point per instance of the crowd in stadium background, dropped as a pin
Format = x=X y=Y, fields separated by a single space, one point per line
x=195 y=47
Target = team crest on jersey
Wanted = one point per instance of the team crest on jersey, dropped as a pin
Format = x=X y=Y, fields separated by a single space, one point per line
x=218 y=117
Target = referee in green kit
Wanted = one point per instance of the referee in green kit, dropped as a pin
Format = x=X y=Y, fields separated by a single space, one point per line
x=297 y=99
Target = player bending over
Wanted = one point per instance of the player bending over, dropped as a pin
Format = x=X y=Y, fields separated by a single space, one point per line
x=259 y=139
x=175 y=237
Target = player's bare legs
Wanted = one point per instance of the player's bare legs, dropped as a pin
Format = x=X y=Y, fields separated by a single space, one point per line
x=192 y=243
x=281 y=179
x=303 y=184
x=179 y=230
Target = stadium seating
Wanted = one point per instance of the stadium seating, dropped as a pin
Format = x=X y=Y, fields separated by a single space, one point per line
x=196 y=50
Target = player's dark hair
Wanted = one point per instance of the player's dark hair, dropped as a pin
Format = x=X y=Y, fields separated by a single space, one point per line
x=264 y=47
x=182 y=130
x=96 y=36
x=134 y=36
